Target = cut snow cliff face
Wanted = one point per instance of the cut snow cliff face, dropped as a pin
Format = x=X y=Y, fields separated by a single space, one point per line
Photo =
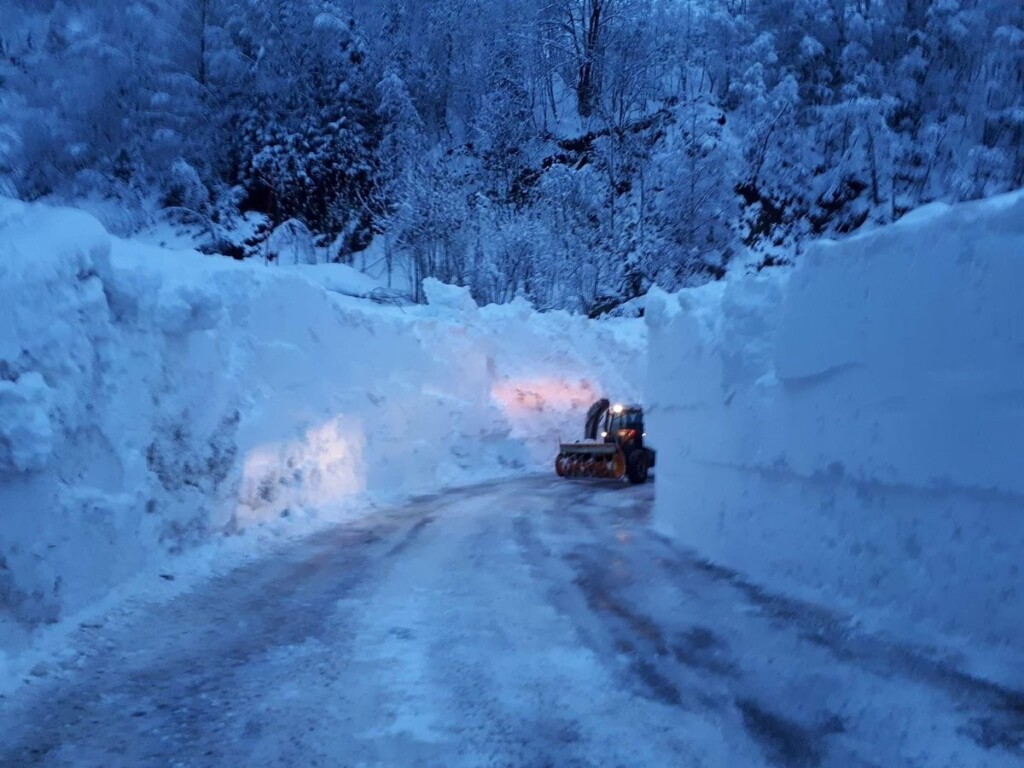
x=855 y=428
x=152 y=400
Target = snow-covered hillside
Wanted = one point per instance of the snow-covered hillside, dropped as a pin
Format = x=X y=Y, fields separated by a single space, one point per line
x=575 y=152
x=855 y=429
x=152 y=401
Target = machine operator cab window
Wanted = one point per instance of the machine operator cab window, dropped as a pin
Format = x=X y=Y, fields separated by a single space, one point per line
x=623 y=418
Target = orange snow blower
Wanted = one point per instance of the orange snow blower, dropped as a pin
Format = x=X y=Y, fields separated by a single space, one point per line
x=618 y=452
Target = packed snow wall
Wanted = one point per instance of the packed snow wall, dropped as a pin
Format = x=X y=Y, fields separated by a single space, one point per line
x=856 y=428
x=151 y=401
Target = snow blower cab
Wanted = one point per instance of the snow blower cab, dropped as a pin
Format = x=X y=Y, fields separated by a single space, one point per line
x=613 y=445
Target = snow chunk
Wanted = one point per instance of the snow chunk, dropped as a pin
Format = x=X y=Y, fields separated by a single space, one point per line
x=343 y=279
x=661 y=308
x=188 y=309
x=26 y=436
x=444 y=296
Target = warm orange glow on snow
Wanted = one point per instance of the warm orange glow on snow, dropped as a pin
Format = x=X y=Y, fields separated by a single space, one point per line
x=542 y=394
x=324 y=466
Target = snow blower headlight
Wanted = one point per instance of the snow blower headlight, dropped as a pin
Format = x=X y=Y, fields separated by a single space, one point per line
x=616 y=409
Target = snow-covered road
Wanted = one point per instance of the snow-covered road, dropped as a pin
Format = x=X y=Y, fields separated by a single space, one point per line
x=533 y=622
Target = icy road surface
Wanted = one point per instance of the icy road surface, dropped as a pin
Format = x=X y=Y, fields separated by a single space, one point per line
x=533 y=623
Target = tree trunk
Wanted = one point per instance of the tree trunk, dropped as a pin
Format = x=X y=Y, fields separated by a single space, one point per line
x=588 y=86
x=204 y=15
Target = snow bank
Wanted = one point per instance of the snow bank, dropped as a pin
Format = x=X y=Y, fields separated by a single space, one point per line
x=153 y=400
x=855 y=428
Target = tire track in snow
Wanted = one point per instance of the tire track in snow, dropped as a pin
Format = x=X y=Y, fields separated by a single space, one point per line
x=532 y=622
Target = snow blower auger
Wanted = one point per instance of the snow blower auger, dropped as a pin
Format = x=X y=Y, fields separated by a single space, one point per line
x=618 y=452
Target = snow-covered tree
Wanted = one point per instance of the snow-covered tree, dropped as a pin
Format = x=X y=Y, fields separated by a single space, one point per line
x=571 y=151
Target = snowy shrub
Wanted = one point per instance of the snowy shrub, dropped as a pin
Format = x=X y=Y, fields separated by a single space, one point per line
x=290 y=243
x=8 y=147
x=184 y=189
x=123 y=207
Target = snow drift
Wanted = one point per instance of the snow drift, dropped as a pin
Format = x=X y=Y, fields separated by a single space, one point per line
x=855 y=428
x=152 y=400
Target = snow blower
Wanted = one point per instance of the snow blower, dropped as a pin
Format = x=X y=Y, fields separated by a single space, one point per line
x=617 y=452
